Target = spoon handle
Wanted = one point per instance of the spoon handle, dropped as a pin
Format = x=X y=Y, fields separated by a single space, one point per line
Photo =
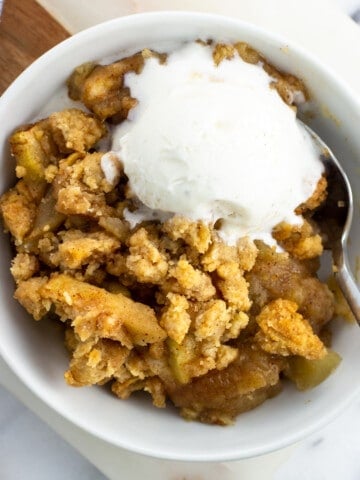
x=348 y=287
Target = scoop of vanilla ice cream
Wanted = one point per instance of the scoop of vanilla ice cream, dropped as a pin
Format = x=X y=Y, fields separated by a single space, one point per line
x=216 y=143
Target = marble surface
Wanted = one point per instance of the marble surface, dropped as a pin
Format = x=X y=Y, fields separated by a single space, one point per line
x=32 y=450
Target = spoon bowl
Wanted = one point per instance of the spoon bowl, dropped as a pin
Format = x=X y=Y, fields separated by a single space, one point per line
x=334 y=218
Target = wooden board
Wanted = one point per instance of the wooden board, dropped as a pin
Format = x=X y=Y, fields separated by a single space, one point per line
x=26 y=32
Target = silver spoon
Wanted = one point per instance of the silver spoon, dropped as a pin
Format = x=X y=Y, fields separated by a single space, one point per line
x=334 y=219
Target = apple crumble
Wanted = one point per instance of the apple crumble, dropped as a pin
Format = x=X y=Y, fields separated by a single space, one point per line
x=163 y=305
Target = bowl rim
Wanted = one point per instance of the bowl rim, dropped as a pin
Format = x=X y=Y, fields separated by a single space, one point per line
x=139 y=18
x=135 y=20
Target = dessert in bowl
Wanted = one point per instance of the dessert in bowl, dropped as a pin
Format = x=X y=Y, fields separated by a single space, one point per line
x=142 y=428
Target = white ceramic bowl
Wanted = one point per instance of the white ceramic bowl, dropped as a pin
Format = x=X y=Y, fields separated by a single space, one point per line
x=35 y=351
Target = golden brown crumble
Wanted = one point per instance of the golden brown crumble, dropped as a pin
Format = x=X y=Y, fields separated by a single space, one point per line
x=145 y=261
x=316 y=199
x=233 y=286
x=167 y=308
x=75 y=250
x=175 y=318
x=18 y=213
x=195 y=234
x=75 y=131
x=223 y=51
x=301 y=241
x=24 y=266
x=93 y=362
x=285 y=332
x=183 y=278
x=101 y=87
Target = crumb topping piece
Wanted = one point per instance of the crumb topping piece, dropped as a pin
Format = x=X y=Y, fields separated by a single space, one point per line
x=284 y=331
